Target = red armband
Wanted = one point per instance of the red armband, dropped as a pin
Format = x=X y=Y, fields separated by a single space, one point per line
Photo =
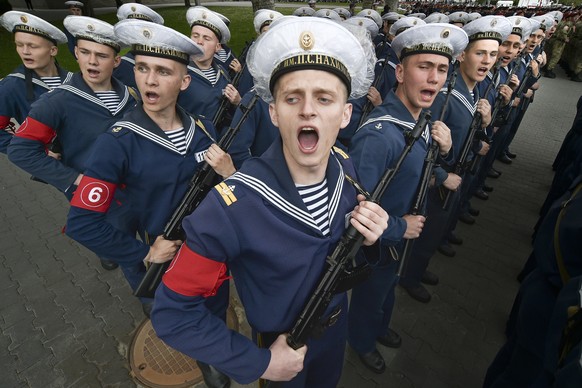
x=35 y=130
x=93 y=194
x=4 y=121
x=191 y=274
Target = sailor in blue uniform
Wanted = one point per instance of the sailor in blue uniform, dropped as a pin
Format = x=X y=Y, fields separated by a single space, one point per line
x=556 y=250
x=36 y=43
x=210 y=82
x=388 y=19
x=263 y=221
x=425 y=52
x=485 y=35
x=152 y=152
x=76 y=114
x=124 y=72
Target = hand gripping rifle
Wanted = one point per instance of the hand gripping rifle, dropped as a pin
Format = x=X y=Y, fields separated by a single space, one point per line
x=200 y=185
x=499 y=101
x=344 y=252
x=520 y=90
x=422 y=190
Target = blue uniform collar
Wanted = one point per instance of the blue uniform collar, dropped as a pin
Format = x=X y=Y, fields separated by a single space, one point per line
x=270 y=178
x=20 y=71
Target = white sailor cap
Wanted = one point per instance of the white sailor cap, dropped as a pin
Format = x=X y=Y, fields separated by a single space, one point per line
x=535 y=25
x=264 y=17
x=419 y=15
x=546 y=21
x=311 y=2
x=293 y=44
x=304 y=11
x=87 y=28
x=327 y=14
x=74 y=4
x=436 y=17
x=202 y=16
x=16 y=21
x=474 y=16
x=557 y=15
x=374 y=15
x=139 y=11
x=156 y=40
x=366 y=23
x=489 y=27
x=404 y=24
x=434 y=38
x=391 y=17
x=521 y=27
x=344 y=13
x=459 y=17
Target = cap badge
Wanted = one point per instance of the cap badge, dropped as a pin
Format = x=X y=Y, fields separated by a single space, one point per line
x=147 y=33
x=306 y=40
x=360 y=23
x=445 y=34
x=23 y=19
x=90 y=27
x=369 y=12
x=327 y=13
x=271 y=16
x=517 y=22
x=493 y=22
x=204 y=16
x=132 y=9
x=414 y=22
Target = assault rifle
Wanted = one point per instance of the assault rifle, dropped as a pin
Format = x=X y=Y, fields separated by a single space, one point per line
x=499 y=101
x=368 y=106
x=349 y=244
x=422 y=189
x=200 y=185
x=520 y=90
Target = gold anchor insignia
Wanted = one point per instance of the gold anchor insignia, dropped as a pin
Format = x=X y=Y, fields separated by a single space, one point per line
x=24 y=19
x=306 y=40
x=116 y=129
x=445 y=33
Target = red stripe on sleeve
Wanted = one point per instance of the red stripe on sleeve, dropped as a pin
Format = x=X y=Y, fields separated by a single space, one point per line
x=93 y=194
x=35 y=130
x=191 y=274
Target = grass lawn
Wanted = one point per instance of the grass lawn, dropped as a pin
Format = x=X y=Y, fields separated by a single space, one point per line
x=241 y=28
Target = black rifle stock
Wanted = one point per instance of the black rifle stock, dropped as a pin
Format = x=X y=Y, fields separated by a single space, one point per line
x=200 y=185
x=351 y=241
x=368 y=106
x=422 y=189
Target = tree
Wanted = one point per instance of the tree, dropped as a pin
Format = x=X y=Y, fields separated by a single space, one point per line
x=263 y=4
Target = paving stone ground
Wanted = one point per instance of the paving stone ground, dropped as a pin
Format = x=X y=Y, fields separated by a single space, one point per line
x=65 y=322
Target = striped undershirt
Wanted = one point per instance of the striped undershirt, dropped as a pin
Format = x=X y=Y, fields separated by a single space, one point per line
x=222 y=55
x=210 y=74
x=315 y=198
x=110 y=98
x=178 y=138
x=52 y=82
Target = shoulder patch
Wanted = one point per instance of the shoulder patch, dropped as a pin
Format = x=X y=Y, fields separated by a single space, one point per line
x=118 y=130
x=340 y=152
x=226 y=192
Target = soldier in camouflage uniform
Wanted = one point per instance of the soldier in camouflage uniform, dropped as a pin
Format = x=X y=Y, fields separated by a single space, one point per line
x=557 y=43
x=573 y=55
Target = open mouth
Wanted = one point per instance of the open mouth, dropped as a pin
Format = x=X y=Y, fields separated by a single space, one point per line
x=152 y=97
x=308 y=138
x=427 y=94
x=482 y=71
x=93 y=72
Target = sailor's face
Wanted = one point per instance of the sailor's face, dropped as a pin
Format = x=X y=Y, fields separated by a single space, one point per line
x=35 y=51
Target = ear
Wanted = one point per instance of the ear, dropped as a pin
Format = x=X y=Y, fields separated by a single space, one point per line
x=399 y=72
x=218 y=47
x=116 y=60
x=273 y=114
x=54 y=51
x=76 y=52
x=461 y=57
x=185 y=82
x=346 y=115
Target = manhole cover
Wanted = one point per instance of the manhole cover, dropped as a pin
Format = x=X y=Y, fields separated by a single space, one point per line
x=156 y=365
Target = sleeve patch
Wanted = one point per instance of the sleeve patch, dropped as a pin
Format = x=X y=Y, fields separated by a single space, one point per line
x=35 y=130
x=191 y=274
x=226 y=192
x=93 y=194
